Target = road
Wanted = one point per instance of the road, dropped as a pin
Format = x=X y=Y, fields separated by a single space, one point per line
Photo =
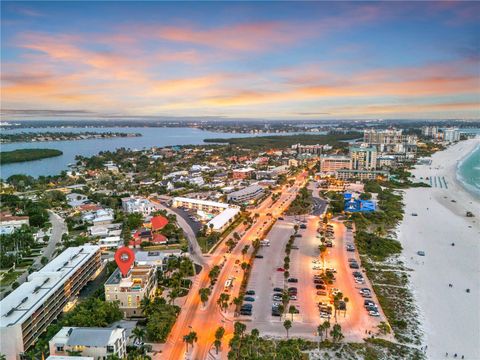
x=58 y=229
x=205 y=320
x=193 y=247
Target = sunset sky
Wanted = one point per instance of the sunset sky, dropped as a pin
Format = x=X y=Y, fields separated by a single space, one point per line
x=284 y=60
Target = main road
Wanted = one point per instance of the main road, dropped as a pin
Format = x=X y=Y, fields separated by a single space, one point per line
x=204 y=320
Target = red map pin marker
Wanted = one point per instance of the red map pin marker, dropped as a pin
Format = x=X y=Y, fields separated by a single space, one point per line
x=124 y=258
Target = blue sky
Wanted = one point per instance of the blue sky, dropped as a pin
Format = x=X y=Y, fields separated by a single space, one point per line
x=274 y=60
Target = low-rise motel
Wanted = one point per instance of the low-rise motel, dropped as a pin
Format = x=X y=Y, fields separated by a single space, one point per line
x=29 y=309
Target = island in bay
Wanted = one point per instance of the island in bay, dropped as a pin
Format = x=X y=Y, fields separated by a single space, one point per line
x=61 y=136
x=22 y=155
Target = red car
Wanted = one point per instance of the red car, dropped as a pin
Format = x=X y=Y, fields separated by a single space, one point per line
x=280 y=269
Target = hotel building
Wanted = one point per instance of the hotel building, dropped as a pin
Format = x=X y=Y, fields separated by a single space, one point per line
x=331 y=163
x=363 y=157
x=30 y=308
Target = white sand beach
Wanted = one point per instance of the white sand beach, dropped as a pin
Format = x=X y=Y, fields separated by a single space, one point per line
x=450 y=316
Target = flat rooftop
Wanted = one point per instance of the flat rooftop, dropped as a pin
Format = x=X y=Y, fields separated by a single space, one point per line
x=224 y=217
x=201 y=202
x=20 y=304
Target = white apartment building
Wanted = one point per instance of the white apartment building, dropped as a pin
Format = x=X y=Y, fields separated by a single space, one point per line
x=246 y=194
x=138 y=205
x=98 y=343
x=451 y=135
x=198 y=204
x=27 y=311
x=390 y=141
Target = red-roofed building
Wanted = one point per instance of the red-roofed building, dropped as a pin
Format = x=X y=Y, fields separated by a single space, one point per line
x=89 y=207
x=146 y=235
x=158 y=222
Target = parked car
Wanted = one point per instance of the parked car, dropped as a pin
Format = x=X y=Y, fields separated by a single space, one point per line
x=247 y=306
x=354 y=265
x=293 y=297
x=249 y=299
x=321 y=292
x=298 y=235
x=320 y=287
x=292 y=280
x=294 y=247
x=280 y=269
x=368 y=303
x=374 y=313
x=246 y=312
x=250 y=292
x=331 y=270
x=278 y=289
x=280 y=218
x=259 y=256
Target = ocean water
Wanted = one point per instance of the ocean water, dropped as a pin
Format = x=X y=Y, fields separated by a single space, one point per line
x=468 y=172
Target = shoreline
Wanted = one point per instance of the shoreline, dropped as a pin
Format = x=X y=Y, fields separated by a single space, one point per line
x=450 y=316
x=462 y=182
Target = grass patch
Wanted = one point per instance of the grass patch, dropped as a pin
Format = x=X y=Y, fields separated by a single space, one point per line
x=9 y=278
x=376 y=247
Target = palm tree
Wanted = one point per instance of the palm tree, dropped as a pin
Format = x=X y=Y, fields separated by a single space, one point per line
x=320 y=334
x=245 y=251
x=218 y=337
x=237 y=301
x=138 y=334
x=173 y=294
x=190 y=338
x=336 y=302
x=345 y=300
x=204 y=294
x=239 y=329
x=326 y=326
x=287 y=324
x=336 y=333
x=223 y=301
x=292 y=310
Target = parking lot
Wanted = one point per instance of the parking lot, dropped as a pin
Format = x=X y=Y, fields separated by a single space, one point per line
x=305 y=262
x=264 y=276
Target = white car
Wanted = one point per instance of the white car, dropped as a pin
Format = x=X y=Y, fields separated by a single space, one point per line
x=334 y=291
x=374 y=313
x=317 y=267
x=293 y=297
x=332 y=270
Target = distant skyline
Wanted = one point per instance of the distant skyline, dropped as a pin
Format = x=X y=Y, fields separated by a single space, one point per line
x=260 y=60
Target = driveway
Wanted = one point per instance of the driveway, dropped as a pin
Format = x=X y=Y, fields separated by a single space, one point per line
x=193 y=247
